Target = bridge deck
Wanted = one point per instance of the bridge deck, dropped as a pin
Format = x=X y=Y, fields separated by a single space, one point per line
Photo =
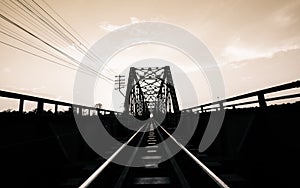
x=182 y=170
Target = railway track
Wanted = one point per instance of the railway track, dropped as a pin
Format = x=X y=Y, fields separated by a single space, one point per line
x=181 y=170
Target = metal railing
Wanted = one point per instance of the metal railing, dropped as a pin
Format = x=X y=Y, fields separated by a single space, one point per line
x=221 y=104
x=260 y=94
x=41 y=101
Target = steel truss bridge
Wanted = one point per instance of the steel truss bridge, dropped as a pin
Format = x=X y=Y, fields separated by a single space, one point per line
x=150 y=90
x=51 y=152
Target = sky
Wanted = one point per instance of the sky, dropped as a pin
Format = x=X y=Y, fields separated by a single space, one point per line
x=255 y=43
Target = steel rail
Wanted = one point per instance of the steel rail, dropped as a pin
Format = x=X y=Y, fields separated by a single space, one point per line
x=205 y=168
x=87 y=182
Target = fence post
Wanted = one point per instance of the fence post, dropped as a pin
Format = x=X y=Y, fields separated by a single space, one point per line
x=21 y=105
x=40 y=107
x=55 y=109
x=221 y=106
x=261 y=100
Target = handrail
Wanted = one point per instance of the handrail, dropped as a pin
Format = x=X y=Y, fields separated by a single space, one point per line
x=260 y=95
x=41 y=101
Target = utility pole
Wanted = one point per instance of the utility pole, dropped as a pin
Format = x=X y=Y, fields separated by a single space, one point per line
x=120 y=83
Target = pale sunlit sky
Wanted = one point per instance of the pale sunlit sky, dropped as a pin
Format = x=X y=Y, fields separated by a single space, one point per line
x=255 y=43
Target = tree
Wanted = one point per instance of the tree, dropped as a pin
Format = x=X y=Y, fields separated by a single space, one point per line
x=98 y=105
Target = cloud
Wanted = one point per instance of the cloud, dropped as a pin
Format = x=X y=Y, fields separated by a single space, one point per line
x=288 y=14
x=108 y=27
x=238 y=52
x=111 y=27
x=271 y=28
x=254 y=74
x=135 y=20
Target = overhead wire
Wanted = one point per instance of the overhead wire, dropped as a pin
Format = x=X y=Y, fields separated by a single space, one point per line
x=35 y=47
x=44 y=21
x=47 y=59
x=49 y=34
x=27 y=19
x=51 y=46
x=42 y=57
x=45 y=42
x=14 y=35
x=62 y=41
x=81 y=43
x=17 y=38
x=84 y=50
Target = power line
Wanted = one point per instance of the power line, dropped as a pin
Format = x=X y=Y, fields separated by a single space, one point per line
x=36 y=55
x=48 y=44
x=83 y=50
x=73 y=31
x=45 y=22
x=48 y=27
x=52 y=61
x=72 y=42
x=12 y=34
x=28 y=20
x=56 y=20
x=31 y=45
